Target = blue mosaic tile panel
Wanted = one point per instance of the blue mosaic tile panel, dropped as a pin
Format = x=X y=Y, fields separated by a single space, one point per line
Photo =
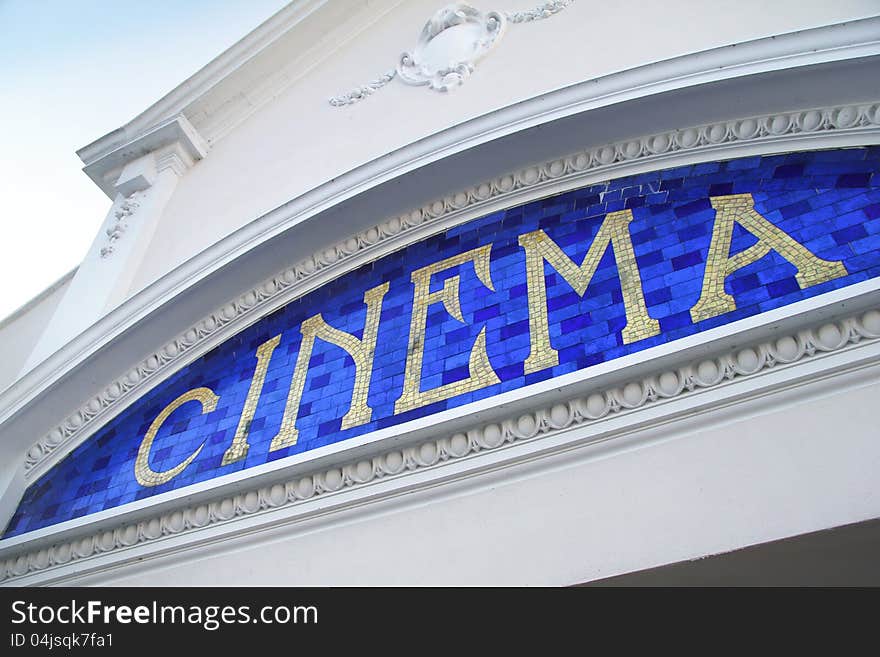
x=828 y=201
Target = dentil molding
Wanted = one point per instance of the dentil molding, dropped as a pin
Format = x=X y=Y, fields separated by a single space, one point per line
x=451 y=43
x=307 y=274
x=706 y=373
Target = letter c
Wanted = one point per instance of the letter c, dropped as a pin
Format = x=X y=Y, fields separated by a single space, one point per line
x=142 y=472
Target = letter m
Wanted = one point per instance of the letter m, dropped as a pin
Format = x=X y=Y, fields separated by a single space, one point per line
x=539 y=248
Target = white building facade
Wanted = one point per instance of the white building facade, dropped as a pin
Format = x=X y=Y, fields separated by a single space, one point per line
x=566 y=292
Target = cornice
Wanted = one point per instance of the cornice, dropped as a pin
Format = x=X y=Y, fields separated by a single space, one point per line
x=174 y=103
x=853 y=124
x=177 y=131
x=252 y=72
x=233 y=513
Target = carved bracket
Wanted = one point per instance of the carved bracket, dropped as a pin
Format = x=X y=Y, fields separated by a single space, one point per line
x=453 y=40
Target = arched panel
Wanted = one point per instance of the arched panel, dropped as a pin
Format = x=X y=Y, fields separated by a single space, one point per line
x=489 y=306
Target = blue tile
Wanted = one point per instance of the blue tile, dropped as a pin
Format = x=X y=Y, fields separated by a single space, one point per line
x=853 y=180
x=827 y=200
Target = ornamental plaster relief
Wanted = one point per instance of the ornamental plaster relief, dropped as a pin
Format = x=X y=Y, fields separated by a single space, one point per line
x=451 y=43
x=121 y=216
x=136 y=178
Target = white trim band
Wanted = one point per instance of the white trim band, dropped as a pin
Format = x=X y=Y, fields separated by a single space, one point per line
x=261 y=494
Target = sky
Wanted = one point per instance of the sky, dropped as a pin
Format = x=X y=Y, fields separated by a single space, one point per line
x=72 y=71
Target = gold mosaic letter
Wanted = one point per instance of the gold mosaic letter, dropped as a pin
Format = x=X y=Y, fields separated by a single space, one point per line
x=239 y=447
x=361 y=351
x=142 y=472
x=539 y=247
x=740 y=208
x=481 y=372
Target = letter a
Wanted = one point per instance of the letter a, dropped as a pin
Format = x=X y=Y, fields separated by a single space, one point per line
x=740 y=208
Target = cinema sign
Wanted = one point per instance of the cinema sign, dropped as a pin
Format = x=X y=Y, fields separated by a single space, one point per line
x=492 y=305
x=539 y=249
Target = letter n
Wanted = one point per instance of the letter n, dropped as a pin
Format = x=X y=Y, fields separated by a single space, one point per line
x=362 y=351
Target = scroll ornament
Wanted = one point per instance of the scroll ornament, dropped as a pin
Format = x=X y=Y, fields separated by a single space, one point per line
x=453 y=40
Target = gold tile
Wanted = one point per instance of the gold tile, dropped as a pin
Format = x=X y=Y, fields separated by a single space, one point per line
x=145 y=475
x=481 y=372
x=740 y=208
x=538 y=246
x=362 y=352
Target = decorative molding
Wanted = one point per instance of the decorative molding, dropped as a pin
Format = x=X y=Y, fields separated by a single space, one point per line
x=451 y=43
x=539 y=13
x=173 y=160
x=119 y=225
x=706 y=373
x=362 y=92
x=288 y=20
x=296 y=280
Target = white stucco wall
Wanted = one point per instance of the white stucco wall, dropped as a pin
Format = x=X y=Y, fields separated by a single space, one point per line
x=297 y=141
x=20 y=331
